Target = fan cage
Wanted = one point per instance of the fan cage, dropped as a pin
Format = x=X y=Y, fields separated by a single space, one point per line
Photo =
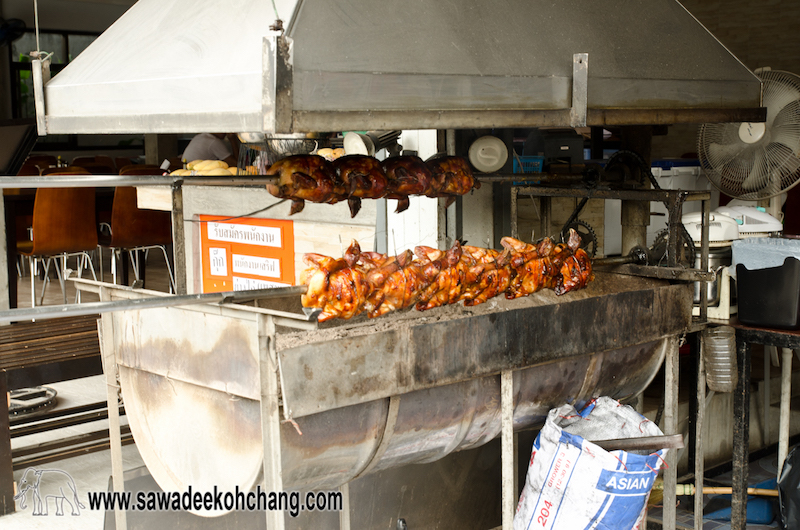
x=768 y=166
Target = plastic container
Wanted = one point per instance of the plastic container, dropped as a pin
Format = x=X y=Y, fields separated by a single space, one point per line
x=770 y=297
x=762 y=252
x=530 y=164
x=719 y=354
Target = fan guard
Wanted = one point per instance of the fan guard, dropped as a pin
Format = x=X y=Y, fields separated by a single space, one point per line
x=753 y=161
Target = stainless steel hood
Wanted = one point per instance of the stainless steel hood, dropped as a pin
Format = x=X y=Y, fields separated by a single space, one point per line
x=206 y=65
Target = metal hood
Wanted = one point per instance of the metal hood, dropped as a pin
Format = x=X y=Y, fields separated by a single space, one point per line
x=209 y=65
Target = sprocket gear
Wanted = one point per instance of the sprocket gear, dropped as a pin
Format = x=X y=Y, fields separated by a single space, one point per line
x=586 y=233
x=658 y=251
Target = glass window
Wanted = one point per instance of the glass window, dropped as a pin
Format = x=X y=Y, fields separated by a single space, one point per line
x=50 y=42
x=78 y=43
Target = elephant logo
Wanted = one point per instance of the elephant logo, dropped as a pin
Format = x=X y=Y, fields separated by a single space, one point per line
x=46 y=484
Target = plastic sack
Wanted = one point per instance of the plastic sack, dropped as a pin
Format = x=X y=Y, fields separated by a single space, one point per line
x=574 y=484
x=789 y=491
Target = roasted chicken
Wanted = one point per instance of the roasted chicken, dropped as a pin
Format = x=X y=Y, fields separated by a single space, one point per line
x=362 y=177
x=355 y=177
x=452 y=176
x=302 y=178
x=378 y=284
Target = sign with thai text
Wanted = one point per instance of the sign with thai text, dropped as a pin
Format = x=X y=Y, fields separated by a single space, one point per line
x=246 y=253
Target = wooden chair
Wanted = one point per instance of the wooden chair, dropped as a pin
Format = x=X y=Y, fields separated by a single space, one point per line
x=133 y=229
x=141 y=169
x=96 y=160
x=63 y=226
x=28 y=170
x=42 y=161
x=97 y=169
x=71 y=170
x=122 y=161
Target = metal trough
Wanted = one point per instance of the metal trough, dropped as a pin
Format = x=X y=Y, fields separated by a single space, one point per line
x=371 y=395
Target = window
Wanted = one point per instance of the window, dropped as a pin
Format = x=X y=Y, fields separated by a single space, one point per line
x=65 y=46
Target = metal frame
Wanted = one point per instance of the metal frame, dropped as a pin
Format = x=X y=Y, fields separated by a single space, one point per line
x=745 y=335
x=274 y=408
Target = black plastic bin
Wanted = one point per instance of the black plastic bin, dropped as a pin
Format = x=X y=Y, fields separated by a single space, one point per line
x=770 y=297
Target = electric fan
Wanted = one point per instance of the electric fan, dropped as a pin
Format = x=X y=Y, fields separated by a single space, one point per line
x=752 y=161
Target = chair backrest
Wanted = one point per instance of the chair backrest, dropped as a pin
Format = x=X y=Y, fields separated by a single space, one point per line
x=28 y=170
x=122 y=161
x=97 y=169
x=96 y=160
x=133 y=227
x=141 y=169
x=71 y=170
x=63 y=221
x=40 y=160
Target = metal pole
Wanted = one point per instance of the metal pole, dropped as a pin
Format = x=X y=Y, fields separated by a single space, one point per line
x=786 y=396
x=270 y=415
x=699 y=455
x=767 y=397
x=704 y=240
x=741 y=436
x=106 y=181
x=6 y=470
x=507 y=447
x=93 y=308
x=344 y=515
x=105 y=329
x=670 y=427
x=178 y=238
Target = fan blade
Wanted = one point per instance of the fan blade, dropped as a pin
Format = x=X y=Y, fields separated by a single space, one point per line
x=729 y=177
x=778 y=93
x=756 y=178
x=783 y=164
x=788 y=137
x=721 y=154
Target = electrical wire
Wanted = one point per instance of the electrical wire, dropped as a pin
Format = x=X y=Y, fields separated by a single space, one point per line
x=238 y=216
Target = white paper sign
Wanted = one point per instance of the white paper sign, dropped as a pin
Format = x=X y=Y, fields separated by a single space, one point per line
x=218 y=261
x=265 y=236
x=269 y=267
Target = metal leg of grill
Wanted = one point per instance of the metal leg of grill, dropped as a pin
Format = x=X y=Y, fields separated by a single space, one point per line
x=107 y=354
x=507 y=447
x=6 y=470
x=741 y=437
x=700 y=410
x=786 y=396
x=671 y=427
x=344 y=515
x=270 y=416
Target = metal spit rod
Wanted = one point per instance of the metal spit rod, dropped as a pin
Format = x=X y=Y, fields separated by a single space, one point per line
x=93 y=308
x=82 y=181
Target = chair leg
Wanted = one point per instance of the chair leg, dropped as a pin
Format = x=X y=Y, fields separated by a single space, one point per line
x=133 y=256
x=46 y=277
x=62 y=274
x=91 y=266
x=32 y=264
x=172 y=288
x=100 y=261
x=114 y=265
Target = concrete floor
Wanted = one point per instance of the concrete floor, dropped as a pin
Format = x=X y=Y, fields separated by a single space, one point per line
x=90 y=472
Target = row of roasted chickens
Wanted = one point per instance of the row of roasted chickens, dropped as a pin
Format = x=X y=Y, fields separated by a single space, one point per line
x=376 y=284
x=354 y=177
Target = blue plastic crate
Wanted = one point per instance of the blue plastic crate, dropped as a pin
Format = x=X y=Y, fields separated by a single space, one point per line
x=530 y=164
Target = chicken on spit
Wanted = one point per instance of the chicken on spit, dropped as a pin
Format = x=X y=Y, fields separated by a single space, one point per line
x=378 y=284
x=302 y=178
x=355 y=177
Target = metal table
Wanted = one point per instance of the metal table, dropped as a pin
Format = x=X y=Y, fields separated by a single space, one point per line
x=787 y=340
